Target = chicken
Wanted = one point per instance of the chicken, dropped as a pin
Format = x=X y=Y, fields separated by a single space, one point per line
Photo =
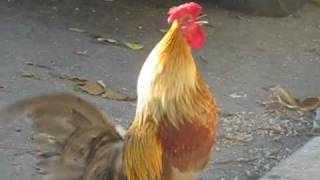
x=171 y=136
x=176 y=114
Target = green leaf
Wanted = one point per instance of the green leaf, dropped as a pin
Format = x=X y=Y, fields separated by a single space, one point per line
x=134 y=46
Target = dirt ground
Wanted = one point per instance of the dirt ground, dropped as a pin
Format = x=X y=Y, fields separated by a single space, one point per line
x=243 y=56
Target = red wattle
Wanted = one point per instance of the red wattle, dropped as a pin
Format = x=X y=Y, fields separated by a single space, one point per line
x=195 y=36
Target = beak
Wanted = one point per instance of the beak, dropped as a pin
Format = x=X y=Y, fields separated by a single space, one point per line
x=202 y=22
x=202 y=16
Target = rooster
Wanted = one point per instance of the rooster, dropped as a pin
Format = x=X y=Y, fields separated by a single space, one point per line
x=171 y=136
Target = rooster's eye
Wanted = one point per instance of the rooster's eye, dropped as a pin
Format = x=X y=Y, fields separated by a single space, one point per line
x=186 y=20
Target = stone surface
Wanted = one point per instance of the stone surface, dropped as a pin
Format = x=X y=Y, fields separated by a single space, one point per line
x=302 y=165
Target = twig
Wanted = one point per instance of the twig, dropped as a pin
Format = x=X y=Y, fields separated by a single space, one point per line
x=233 y=139
x=29 y=63
x=202 y=58
x=14 y=148
x=239 y=160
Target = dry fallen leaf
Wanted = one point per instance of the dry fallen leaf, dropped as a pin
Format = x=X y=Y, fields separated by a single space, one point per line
x=114 y=95
x=102 y=39
x=134 y=46
x=93 y=88
x=30 y=75
x=309 y=104
x=235 y=95
x=102 y=83
x=78 y=81
x=82 y=52
x=75 y=80
x=98 y=88
x=226 y=114
x=106 y=40
x=286 y=99
x=77 y=30
x=29 y=63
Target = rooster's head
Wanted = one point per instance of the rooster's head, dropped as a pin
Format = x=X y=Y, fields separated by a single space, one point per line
x=187 y=16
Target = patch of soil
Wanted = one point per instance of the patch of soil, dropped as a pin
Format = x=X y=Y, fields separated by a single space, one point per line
x=250 y=144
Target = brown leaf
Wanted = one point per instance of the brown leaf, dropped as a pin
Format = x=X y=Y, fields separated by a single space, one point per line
x=285 y=97
x=114 y=95
x=30 y=75
x=75 y=80
x=29 y=63
x=133 y=46
x=309 y=104
x=78 y=81
x=226 y=114
x=102 y=39
x=93 y=88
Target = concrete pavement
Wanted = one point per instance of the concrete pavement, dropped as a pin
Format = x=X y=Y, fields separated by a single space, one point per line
x=302 y=165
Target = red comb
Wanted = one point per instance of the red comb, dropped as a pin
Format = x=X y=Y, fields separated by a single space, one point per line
x=192 y=9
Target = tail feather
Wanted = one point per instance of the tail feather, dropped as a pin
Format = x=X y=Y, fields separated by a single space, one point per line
x=50 y=104
x=74 y=140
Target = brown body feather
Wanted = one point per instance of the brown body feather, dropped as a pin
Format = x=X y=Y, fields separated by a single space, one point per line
x=188 y=148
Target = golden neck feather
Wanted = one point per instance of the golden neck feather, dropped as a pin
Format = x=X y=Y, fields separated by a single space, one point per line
x=167 y=79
